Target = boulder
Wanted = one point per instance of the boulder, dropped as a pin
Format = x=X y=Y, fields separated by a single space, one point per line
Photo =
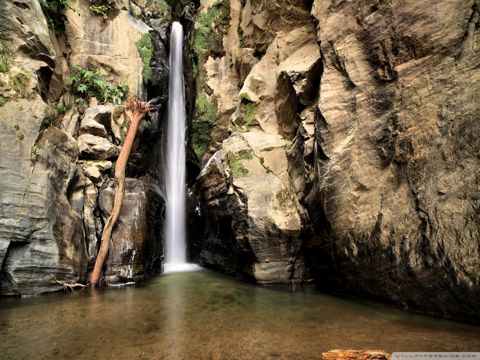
x=96 y=170
x=356 y=355
x=136 y=250
x=245 y=184
x=96 y=147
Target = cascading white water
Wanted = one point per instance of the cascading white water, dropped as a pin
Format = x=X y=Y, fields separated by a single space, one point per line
x=175 y=177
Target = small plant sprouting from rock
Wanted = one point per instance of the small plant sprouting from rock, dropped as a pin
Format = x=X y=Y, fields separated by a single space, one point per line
x=99 y=10
x=145 y=50
x=234 y=161
x=101 y=7
x=248 y=112
x=54 y=11
x=87 y=83
x=22 y=84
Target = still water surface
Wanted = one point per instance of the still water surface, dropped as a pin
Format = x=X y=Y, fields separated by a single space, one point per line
x=203 y=315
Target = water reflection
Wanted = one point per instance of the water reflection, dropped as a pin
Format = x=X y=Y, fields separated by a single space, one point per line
x=206 y=316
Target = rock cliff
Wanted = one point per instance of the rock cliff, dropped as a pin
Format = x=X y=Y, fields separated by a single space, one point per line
x=341 y=138
x=58 y=144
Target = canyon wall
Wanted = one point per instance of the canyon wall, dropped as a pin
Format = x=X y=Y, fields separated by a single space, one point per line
x=59 y=144
x=343 y=146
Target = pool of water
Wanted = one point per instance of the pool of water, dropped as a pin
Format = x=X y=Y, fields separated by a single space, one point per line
x=203 y=315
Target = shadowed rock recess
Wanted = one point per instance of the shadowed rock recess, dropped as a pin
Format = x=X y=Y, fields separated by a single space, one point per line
x=339 y=141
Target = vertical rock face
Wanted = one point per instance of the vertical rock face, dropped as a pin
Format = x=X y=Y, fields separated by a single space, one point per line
x=52 y=166
x=136 y=248
x=378 y=127
x=395 y=204
x=256 y=87
x=41 y=235
x=100 y=42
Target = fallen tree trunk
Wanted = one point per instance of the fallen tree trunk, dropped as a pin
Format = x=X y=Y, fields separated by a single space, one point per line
x=139 y=109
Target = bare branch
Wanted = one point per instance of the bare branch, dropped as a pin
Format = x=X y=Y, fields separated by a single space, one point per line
x=68 y=287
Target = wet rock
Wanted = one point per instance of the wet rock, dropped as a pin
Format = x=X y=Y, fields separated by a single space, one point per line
x=96 y=147
x=136 y=250
x=355 y=355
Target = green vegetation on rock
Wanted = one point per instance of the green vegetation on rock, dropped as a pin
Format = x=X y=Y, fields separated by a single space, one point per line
x=203 y=123
x=211 y=26
x=87 y=83
x=99 y=9
x=22 y=84
x=145 y=49
x=3 y=100
x=102 y=7
x=248 y=112
x=6 y=53
x=54 y=11
x=234 y=161
x=165 y=10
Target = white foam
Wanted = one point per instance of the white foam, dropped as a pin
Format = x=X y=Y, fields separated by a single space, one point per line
x=170 y=268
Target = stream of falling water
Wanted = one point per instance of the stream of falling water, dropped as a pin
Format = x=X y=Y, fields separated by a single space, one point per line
x=175 y=177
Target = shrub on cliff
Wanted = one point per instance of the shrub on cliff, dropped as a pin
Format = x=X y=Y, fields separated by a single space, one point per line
x=87 y=83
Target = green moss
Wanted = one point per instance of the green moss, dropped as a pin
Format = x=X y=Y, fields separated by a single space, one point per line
x=21 y=83
x=203 y=123
x=6 y=53
x=145 y=49
x=164 y=10
x=54 y=11
x=3 y=100
x=211 y=26
x=234 y=161
x=101 y=10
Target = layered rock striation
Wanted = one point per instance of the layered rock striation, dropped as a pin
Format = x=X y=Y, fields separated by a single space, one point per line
x=395 y=201
x=261 y=87
x=58 y=149
x=374 y=105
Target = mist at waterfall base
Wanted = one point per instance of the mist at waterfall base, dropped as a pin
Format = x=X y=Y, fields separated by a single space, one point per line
x=175 y=174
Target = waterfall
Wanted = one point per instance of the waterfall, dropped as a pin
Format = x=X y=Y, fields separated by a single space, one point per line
x=175 y=177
